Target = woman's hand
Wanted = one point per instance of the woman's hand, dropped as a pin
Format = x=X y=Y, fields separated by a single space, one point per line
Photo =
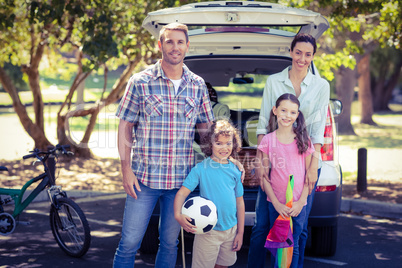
x=261 y=169
x=312 y=177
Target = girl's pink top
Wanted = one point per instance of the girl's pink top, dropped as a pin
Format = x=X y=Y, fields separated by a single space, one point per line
x=285 y=160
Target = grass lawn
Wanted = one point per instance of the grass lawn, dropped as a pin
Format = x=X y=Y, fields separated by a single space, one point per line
x=50 y=95
x=386 y=134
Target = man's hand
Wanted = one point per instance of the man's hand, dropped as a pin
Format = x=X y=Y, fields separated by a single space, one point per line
x=129 y=181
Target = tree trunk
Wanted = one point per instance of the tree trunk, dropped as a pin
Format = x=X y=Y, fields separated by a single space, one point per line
x=345 y=83
x=33 y=130
x=32 y=70
x=365 y=97
x=38 y=106
x=80 y=103
x=63 y=128
x=80 y=149
x=379 y=85
x=385 y=95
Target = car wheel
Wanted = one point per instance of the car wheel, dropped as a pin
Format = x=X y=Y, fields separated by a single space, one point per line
x=150 y=242
x=324 y=240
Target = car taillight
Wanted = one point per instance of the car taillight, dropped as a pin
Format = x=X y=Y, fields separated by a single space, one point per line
x=328 y=188
x=327 y=149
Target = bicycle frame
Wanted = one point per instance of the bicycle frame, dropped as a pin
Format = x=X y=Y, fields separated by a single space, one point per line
x=68 y=223
x=18 y=194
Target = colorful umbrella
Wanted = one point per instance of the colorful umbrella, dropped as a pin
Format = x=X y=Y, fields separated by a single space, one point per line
x=280 y=238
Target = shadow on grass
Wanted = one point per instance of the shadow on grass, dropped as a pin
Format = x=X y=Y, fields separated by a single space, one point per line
x=376 y=190
x=380 y=136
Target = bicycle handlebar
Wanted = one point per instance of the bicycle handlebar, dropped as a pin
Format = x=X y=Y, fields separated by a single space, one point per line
x=53 y=151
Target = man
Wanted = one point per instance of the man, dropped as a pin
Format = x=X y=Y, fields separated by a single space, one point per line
x=158 y=113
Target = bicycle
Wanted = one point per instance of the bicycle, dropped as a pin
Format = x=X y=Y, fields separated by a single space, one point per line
x=69 y=225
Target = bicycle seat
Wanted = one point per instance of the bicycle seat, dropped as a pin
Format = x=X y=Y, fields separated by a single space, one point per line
x=3 y=168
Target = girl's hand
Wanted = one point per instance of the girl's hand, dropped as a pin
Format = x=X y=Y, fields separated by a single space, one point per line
x=185 y=222
x=296 y=208
x=282 y=209
x=237 y=242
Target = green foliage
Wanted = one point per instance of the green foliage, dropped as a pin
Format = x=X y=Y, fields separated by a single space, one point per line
x=327 y=62
x=7 y=15
x=355 y=27
x=390 y=57
x=14 y=72
x=389 y=30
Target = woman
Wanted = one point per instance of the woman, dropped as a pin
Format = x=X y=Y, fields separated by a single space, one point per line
x=313 y=94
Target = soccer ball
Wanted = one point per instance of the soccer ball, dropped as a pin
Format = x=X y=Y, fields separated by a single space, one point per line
x=202 y=213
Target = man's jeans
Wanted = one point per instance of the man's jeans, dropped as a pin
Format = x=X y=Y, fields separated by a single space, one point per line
x=137 y=214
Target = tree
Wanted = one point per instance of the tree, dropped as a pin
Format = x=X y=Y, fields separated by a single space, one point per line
x=134 y=45
x=365 y=96
x=357 y=28
x=387 y=63
x=97 y=32
x=19 y=23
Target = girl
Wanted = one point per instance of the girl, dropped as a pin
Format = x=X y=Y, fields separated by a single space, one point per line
x=219 y=180
x=312 y=92
x=287 y=150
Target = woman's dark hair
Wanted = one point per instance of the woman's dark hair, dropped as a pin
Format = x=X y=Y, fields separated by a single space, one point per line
x=302 y=37
x=221 y=127
x=302 y=137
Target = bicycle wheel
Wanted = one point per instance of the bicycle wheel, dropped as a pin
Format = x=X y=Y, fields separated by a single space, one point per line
x=70 y=227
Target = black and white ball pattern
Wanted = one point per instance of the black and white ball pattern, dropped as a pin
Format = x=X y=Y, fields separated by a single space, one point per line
x=202 y=212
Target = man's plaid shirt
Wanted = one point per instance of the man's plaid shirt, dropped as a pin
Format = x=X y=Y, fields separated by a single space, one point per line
x=164 y=124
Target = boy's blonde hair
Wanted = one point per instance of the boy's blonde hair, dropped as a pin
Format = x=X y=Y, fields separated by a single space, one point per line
x=221 y=127
x=175 y=26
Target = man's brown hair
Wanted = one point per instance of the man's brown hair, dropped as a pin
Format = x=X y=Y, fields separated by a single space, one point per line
x=175 y=26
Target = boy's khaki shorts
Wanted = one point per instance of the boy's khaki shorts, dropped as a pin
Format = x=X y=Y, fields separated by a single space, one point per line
x=214 y=247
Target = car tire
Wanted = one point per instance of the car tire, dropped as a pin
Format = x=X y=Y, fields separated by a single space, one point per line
x=324 y=240
x=150 y=242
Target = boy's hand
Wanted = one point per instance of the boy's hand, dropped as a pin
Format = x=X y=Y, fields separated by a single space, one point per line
x=237 y=242
x=296 y=208
x=185 y=222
